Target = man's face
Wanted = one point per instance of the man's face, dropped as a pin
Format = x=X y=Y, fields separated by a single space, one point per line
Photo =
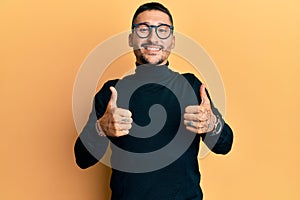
x=152 y=50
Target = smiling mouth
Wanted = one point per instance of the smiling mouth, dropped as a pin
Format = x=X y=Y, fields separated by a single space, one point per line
x=152 y=48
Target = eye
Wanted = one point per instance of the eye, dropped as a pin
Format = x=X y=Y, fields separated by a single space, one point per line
x=162 y=30
x=143 y=29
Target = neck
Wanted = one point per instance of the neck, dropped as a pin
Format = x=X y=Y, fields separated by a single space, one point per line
x=166 y=63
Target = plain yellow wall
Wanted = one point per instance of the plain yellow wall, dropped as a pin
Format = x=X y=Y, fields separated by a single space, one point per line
x=255 y=45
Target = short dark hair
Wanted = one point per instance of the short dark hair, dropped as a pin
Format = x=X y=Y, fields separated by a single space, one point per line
x=151 y=6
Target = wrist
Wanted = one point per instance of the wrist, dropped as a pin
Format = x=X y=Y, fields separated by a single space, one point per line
x=218 y=126
x=99 y=129
x=213 y=121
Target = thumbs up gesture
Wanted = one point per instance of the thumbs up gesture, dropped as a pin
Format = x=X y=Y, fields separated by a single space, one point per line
x=200 y=118
x=116 y=121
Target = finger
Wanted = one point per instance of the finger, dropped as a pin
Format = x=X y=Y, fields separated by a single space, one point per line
x=192 y=129
x=188 y=123
x=196 y=130
x=197 y=117
x=193 y=124
x=122 y=133
x=126 y=120
x=119 y=133
x=122 y=129
x=125 y=127
x=202 y=115
x=117 y=126
x=120 y=119
x=192 y=109
x=116 y=129
x=114 y=97
x=191 y=117
x=122 y=112
x=196 y=124
x=203 y=95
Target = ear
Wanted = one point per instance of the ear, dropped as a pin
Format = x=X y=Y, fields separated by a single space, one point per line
x=173 y=42
x=130 y=43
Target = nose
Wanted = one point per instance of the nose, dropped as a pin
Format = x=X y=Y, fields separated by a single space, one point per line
x=153 y=36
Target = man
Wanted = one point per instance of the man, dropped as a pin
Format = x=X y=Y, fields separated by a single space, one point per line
x=153 y=161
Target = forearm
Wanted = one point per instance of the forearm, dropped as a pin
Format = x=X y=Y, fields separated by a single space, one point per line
x=220 y=143
x=89 y=146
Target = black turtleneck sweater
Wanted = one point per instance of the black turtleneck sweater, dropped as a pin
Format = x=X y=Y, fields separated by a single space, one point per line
x=158 y=159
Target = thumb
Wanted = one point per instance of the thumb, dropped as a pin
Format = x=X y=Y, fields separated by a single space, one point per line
x=113 y=97
x=203 y=95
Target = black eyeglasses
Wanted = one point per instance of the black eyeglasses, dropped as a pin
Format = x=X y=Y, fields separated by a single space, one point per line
x=143 y=30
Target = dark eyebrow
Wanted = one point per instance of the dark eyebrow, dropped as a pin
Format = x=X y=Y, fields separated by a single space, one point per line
x=150 y=24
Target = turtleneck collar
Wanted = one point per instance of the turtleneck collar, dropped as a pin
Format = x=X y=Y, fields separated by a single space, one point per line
x=151 y=69
x=138 y=64
x=153 y=72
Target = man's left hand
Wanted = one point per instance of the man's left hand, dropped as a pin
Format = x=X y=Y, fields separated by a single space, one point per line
x=200 y=118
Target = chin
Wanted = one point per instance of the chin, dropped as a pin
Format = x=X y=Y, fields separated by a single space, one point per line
x=152 y=61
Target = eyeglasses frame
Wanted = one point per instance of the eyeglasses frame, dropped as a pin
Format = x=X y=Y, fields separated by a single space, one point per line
x=155 y=27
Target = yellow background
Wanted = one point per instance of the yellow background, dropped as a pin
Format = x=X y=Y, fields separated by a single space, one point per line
x=255 y=45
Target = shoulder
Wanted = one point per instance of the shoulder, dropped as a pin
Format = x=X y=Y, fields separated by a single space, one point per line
x=104 y=91
x=192 y=79
x=110 y=83
x=102 y=97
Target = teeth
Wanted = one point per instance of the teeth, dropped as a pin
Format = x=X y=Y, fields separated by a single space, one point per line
x=152 y=48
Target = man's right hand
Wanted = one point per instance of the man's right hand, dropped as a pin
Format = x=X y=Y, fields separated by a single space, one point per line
x=116 y=121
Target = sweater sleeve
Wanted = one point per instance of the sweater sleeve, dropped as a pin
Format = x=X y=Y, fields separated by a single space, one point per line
x=89 y=147
x=220 y=143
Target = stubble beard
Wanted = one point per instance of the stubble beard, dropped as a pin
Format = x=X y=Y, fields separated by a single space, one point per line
x=143 y=59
